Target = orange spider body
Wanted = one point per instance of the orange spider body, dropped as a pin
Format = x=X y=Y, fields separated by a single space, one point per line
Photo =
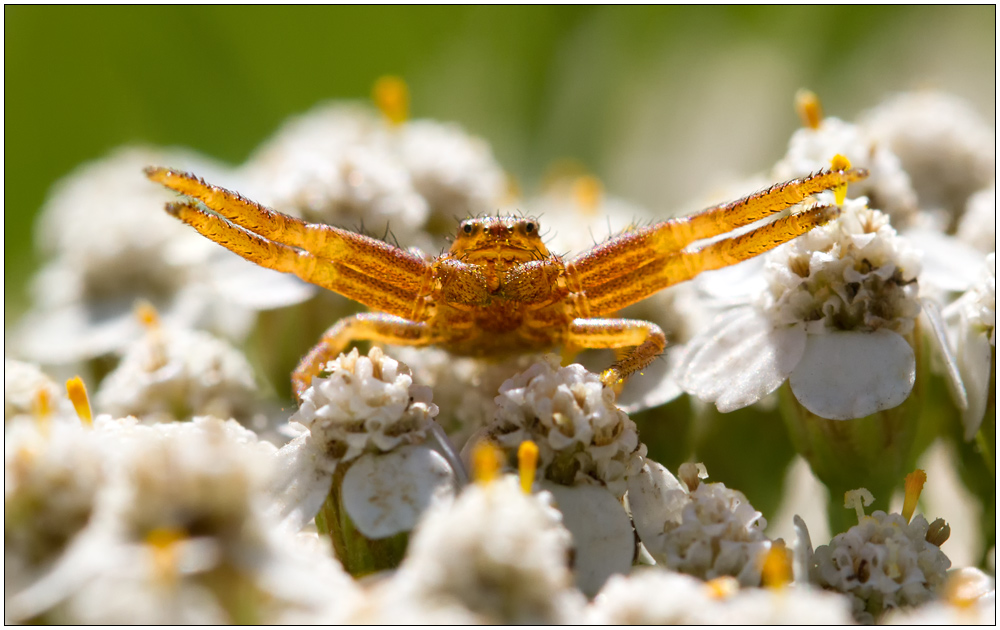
x=498 y=291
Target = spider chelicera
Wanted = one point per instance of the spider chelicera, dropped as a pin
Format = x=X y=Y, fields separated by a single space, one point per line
x=498 y=291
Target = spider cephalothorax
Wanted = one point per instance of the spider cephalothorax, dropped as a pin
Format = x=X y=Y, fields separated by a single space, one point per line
x=498 y=290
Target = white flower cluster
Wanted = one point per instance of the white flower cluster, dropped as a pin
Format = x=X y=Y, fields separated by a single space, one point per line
x=367 y=403
x=498 y=554
x=701 y=529
x=882 y=562
x=659 y=597
x=581 y=435
x=22 y=383
x=345 y=166
x=854 y=273
x=174 y=374
x=976 y=341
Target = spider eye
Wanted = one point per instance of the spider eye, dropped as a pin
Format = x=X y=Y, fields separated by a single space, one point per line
x=467 y=228
x=529 y=227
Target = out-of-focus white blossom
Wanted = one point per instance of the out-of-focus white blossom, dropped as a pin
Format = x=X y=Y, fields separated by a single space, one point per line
x=978 y=225
x=701 y=529
x=174 y=374
x=496 y=552
x=112 y=244
x=968 y=597
x=22 y=383
x=947 y=149
x=836 y=321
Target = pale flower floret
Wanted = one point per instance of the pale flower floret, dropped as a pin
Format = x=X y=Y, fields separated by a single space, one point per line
x=495 y=551
x=455 y=173
x=968 y=597
x=21 y=385
x=978 y=225
x=837 y=320
x=701 y=529
x=581 y=435
x=52 y=475
x=887 y=185
x=174 y=374
x=650 y=597
x=974 y=329
x=947 y=149
x=882 y=562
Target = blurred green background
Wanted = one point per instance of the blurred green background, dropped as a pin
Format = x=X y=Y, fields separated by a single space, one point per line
x=661 y=103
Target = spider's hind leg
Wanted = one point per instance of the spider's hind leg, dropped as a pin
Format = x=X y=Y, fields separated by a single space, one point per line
x=645 y=341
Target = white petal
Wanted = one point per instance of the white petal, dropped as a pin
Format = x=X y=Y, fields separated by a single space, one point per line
x=302 y=477
x=656 y=497
x=385 y=493
x=931 y=317
x=974 y=357
x=947 y=263
x=254 y=287
x=849 y=374
x=603 y=540
x=744 y=360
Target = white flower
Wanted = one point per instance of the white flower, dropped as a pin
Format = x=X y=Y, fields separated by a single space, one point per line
x=978 y=225
x=581 y=435
x=701 y=529
x=455 y=173
x=587 y=448
x=495 y=551
x=113 y=244
x=174 y=374
x=52 y=474
x=836 y=321
x=651 y=596
x=968 y=597
x=974 y=329
x=369 y=415
x=882 y=562
x=22 y=383
x=887 y=185
x=947 y=149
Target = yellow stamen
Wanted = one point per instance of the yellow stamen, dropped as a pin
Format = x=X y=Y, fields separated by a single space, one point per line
x=858 y=499
x=722 y=587
x=587 y=191
x=913 y=485
x=809 y=108
x=485 y=462
x=41 y=408
x=147 y=315
x=163 y=541
x=840 y=163
x=527 y=463
x=392 y=97
x=777 y=569
x=77 y=392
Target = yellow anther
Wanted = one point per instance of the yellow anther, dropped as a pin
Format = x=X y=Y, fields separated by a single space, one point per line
x=808 y=107
x=527 y=464
x=147 y=315
x=587 y=192
x=840 y=163
x=913 y=485
x=41 y=408
x=485 y=462
x=858 y=499
x=392 y=97
x=777 y=569
x=77 y=392
x=163 y=541
x=722 y=587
